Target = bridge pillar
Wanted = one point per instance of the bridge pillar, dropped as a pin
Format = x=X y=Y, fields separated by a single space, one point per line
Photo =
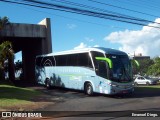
x=32 y=40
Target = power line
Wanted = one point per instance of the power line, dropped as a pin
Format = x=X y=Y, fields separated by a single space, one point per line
x=142 y=4
x=114 y=14
x=82 y=10
x=122 y=8
x=84 y=21
x=95 y=8
x=120 y=18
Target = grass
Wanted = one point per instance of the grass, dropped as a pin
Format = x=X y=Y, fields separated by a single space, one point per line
x=12 y=97
x=150 y=88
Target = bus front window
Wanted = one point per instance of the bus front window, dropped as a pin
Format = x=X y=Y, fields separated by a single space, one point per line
x=121 y=70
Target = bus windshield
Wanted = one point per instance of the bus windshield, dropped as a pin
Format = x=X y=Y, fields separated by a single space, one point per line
x=121 y=70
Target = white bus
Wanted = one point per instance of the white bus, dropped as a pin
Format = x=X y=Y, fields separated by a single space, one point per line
x=94 y=70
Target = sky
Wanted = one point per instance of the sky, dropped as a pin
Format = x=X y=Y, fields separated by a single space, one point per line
x=75 y=31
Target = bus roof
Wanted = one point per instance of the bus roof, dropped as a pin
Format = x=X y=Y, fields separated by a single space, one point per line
x=99 y=49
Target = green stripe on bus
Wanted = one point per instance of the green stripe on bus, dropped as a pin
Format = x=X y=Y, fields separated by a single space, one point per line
x=109 y=61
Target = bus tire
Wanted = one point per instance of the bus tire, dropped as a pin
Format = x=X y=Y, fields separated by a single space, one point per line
x=88 y=89
x=48 y=83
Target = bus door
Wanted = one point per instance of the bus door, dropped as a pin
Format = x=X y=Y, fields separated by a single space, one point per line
x=102 y=71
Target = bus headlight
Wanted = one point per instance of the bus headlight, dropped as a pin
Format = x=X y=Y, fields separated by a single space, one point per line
x=114 y=85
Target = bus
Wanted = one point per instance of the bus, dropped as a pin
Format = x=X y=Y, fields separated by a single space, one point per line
x=93 y=70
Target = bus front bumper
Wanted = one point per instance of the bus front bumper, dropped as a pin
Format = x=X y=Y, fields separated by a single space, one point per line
x=122 y=91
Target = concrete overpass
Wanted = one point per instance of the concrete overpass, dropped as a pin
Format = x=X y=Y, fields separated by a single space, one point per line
x=32 y=40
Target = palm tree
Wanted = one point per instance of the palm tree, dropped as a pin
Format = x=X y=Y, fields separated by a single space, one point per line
x=6 y=53
x=3 y=22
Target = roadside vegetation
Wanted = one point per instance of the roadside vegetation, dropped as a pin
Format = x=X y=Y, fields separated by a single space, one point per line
x=149 y=86
x=151 y=89
x=6 y=51
x=12 y=97
x=16 y=98
x=149 y=67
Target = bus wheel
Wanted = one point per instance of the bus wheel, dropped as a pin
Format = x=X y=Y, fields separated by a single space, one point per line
x=88 y=89
x=48 y=84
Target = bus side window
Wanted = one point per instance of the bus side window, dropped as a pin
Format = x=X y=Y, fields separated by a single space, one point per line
x=72 y=60
x=102 y=69
x=84 y=60
x=61 y=60
x=48 y=61
x=94 y=55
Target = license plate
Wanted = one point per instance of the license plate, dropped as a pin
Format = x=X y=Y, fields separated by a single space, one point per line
x=125 y=91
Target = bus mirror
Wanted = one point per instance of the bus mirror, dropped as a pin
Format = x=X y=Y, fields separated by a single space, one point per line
x=137 y=63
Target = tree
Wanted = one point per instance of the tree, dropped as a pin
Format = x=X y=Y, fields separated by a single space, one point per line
x=143 y=67
x=155 y=68
x=19 y=70
x=3 y=22
x=18 y=65
x=6 y=51
x=5 y=47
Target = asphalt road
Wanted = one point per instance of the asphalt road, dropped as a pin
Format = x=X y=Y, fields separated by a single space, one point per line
x=97 y=105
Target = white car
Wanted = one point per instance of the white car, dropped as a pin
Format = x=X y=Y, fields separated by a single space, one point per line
x=145 y=81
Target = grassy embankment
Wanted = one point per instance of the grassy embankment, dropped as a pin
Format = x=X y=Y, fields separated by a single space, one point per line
x=16 y=98
x=149 y=86
x=155 y=89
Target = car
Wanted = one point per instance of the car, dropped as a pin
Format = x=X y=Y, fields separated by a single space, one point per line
x=145 y=81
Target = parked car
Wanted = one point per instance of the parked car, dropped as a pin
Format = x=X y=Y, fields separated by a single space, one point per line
x=145 y=81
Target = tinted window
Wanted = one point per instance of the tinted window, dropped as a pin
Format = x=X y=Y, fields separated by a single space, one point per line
x=102 y=69
x=45 y=61
x=72 y=60
x=142 y=78
x=80 y=59
x=94 y=55
x=48 y=61
x=61 y=60
x=84 y=60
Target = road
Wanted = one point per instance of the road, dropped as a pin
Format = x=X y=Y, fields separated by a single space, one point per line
x=71 y=100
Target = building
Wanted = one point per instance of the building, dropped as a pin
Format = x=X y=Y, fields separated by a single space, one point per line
x=141 y=57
